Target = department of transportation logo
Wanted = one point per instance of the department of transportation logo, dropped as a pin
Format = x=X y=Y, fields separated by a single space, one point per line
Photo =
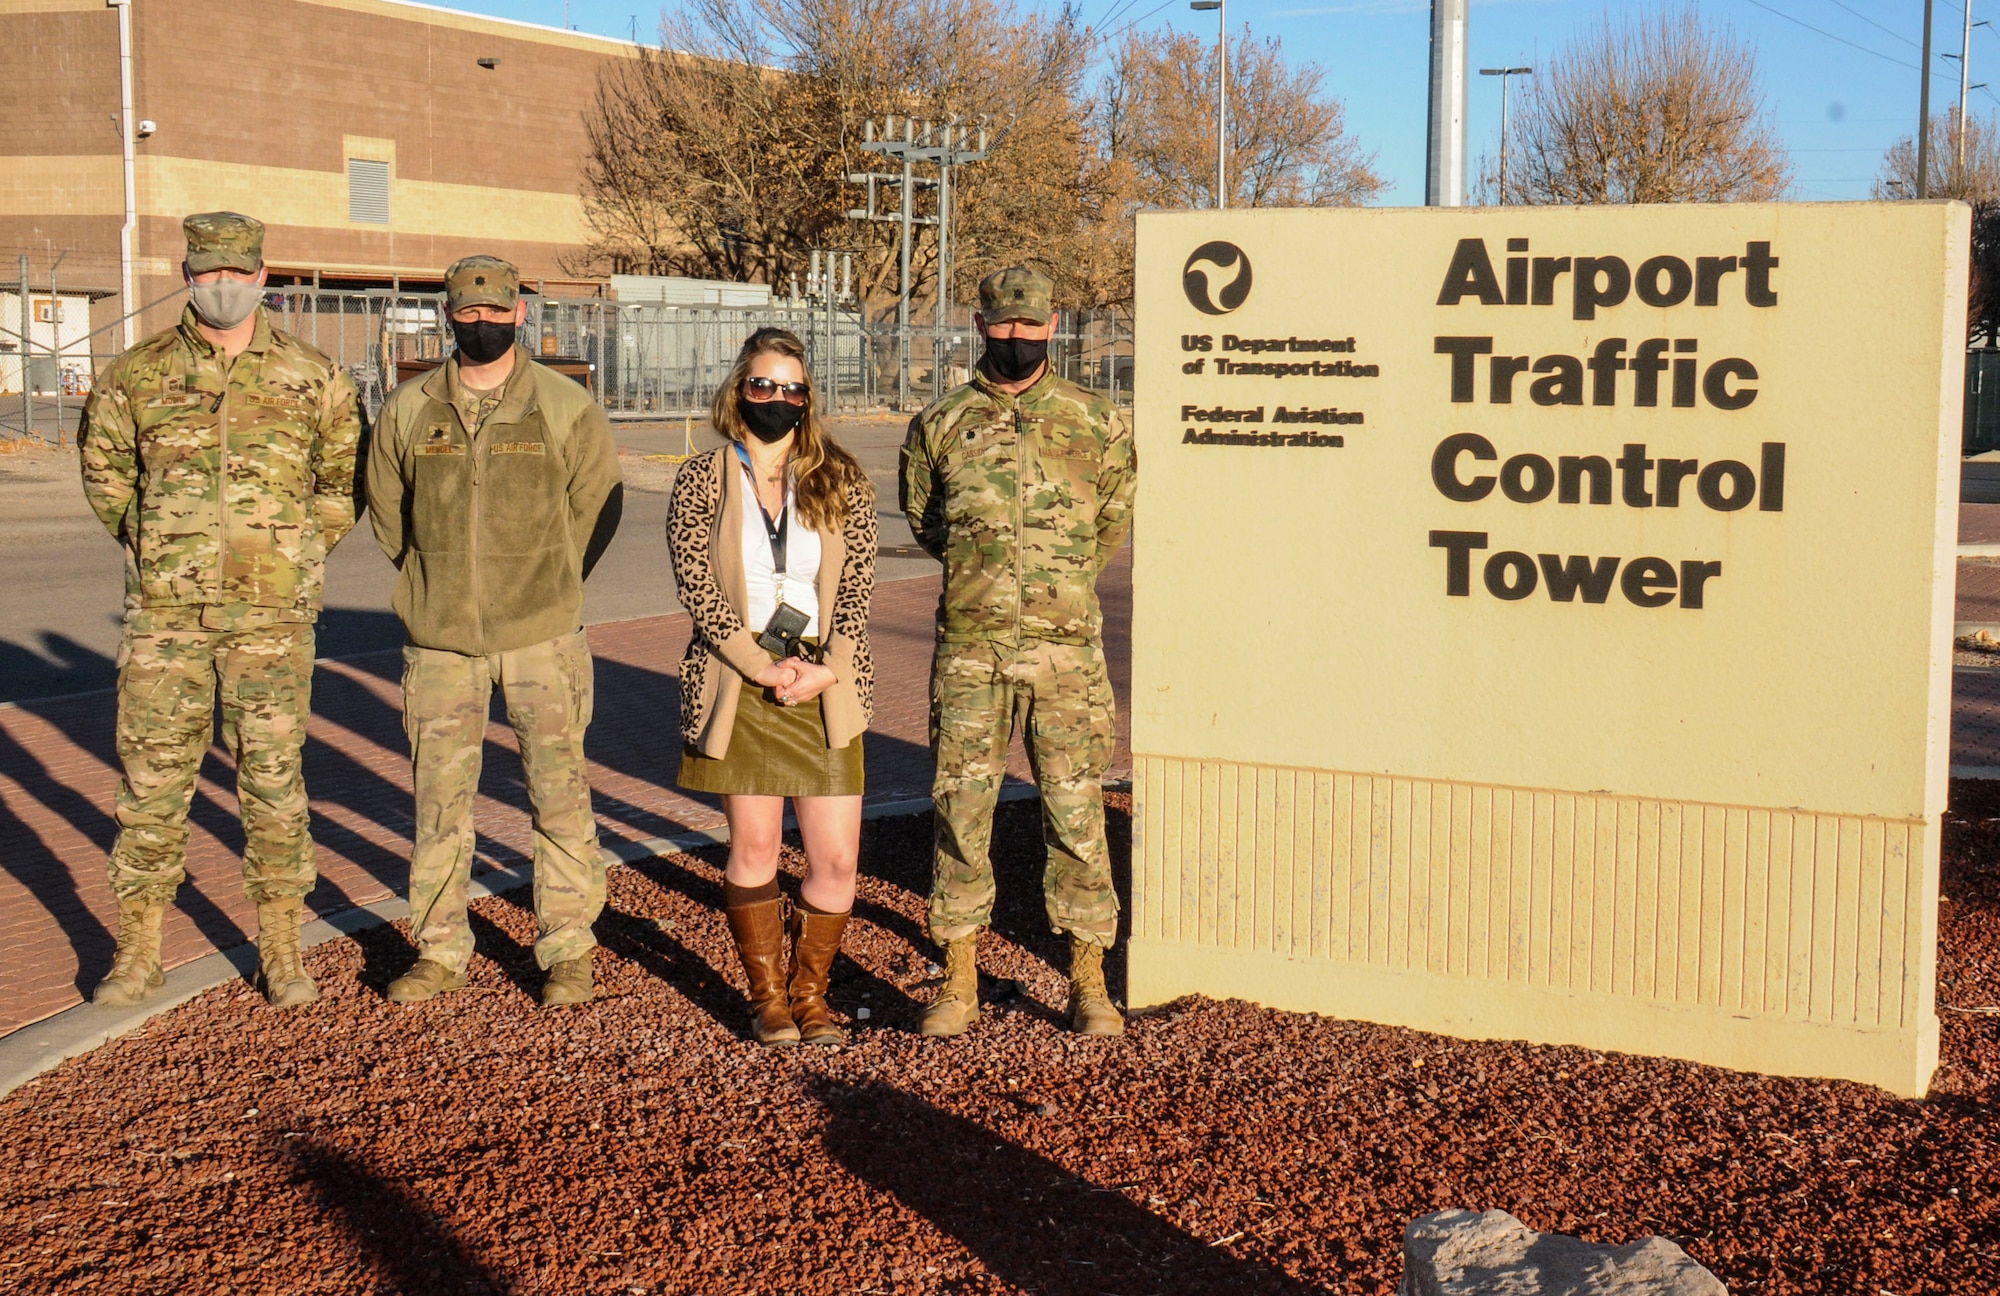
x=1195 y=278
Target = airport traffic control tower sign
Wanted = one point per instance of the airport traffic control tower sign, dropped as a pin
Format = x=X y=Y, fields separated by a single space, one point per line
x=1542 y=622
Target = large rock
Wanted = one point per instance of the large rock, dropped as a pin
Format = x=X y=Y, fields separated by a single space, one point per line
x=1490 y=1253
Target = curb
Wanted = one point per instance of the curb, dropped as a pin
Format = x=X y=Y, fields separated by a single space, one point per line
x=46 y=1044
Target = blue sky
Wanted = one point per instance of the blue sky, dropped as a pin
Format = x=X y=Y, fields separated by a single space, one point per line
x=1840 y=75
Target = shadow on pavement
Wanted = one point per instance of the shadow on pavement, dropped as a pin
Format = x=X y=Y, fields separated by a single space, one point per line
x=52 y=880
x=350 y=632
x=1032 y=1223
x=60 y=666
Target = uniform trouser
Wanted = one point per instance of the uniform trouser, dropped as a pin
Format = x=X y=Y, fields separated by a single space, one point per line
x=445 y=698
x=981 y=693
x=170 y=669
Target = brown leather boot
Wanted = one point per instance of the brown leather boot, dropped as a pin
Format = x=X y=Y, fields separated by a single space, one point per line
x=281 y=975
x=957 y=1004
x=815 y=940
x=759 y=930
x=135 y=969
x=1091 y=1011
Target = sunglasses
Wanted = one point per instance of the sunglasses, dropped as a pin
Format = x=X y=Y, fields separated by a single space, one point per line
x=763 y=389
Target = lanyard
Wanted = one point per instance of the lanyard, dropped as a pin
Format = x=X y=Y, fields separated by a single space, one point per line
x=776 y=532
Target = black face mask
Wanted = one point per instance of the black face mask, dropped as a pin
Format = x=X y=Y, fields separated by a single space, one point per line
x=1015 y=359
x=482 y=341
x=769 y=420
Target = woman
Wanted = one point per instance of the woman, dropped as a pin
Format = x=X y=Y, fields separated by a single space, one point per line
x=773 y=545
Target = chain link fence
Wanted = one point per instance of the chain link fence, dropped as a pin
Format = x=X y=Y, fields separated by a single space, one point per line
x=640 y=359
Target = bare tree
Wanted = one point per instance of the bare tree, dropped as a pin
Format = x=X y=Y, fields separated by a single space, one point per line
x=1650 y=107
x=1974 y=176
x=727 y=158
x=1153 y=127
x=1982 y=300
x=691 y=155
x=1288 y=144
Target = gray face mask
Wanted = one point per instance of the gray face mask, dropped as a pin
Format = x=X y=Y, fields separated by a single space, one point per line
x=225 y=303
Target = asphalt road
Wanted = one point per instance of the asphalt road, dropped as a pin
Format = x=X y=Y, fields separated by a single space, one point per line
x=62 y=583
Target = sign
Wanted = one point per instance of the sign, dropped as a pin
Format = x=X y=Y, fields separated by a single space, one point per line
x=1543 y=620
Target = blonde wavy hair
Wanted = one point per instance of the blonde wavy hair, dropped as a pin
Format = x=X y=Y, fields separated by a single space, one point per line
x=822 y=472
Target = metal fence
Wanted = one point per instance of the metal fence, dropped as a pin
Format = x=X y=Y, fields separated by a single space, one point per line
x=646 y=358
x=1982 y=400
x=650 y=359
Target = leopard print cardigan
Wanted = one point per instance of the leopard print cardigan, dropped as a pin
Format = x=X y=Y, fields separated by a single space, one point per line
x=693 y=513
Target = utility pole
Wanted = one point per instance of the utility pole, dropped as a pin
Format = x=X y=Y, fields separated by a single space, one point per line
x=1505 y=75
x=955 y=149
x=1924 y=113
x=1444 y=173
x=1965 y=89
x=946 y=149
x=1221 y=8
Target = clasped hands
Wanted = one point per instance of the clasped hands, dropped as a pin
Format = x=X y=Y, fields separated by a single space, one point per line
x=794 y=680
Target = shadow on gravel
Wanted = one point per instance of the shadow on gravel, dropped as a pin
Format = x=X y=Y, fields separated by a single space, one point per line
x=386 y=953
x=1031 y=1222
x=898 y=851
x=516 y=960
x=404 y=1243
x=641 y=942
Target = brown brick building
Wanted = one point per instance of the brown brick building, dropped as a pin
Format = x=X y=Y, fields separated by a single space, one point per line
x=378 y=140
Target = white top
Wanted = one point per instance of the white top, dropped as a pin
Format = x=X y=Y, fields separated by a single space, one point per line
x=800 y=583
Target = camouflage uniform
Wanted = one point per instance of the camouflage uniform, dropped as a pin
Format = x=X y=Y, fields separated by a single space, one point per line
x=1024 y=498
x=494 y=506
x=226 y=482
x=547 y=687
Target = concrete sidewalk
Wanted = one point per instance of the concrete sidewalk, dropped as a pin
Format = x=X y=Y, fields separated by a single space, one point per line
x=58 y=774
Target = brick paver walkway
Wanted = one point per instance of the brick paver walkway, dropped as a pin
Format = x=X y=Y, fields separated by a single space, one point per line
x=58 y=775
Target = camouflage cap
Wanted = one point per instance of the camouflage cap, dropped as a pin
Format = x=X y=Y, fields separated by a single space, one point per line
x=481 y=281
x=1016 y=293
x=223 y=240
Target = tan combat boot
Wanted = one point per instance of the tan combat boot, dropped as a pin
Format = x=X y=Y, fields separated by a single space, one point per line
x=1091 y=1011
x=569 y=982
x=759 y=930
x=135 y=969
x=424 y=982
x=957 y=1004
x=280 y=974
x=815 y=940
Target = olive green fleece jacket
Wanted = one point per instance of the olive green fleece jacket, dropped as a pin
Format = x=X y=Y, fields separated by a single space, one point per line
x=492 y=524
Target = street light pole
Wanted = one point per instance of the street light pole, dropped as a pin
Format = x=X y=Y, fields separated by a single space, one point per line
x=1505 y=75
x=1221 y=8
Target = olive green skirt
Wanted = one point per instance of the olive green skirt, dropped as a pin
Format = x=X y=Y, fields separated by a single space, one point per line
x=775 y=751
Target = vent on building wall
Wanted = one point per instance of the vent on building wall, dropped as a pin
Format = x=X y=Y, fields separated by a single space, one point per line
x=368 y=191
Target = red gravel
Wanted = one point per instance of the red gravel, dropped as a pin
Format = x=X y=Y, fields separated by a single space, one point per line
x=642 y=1145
